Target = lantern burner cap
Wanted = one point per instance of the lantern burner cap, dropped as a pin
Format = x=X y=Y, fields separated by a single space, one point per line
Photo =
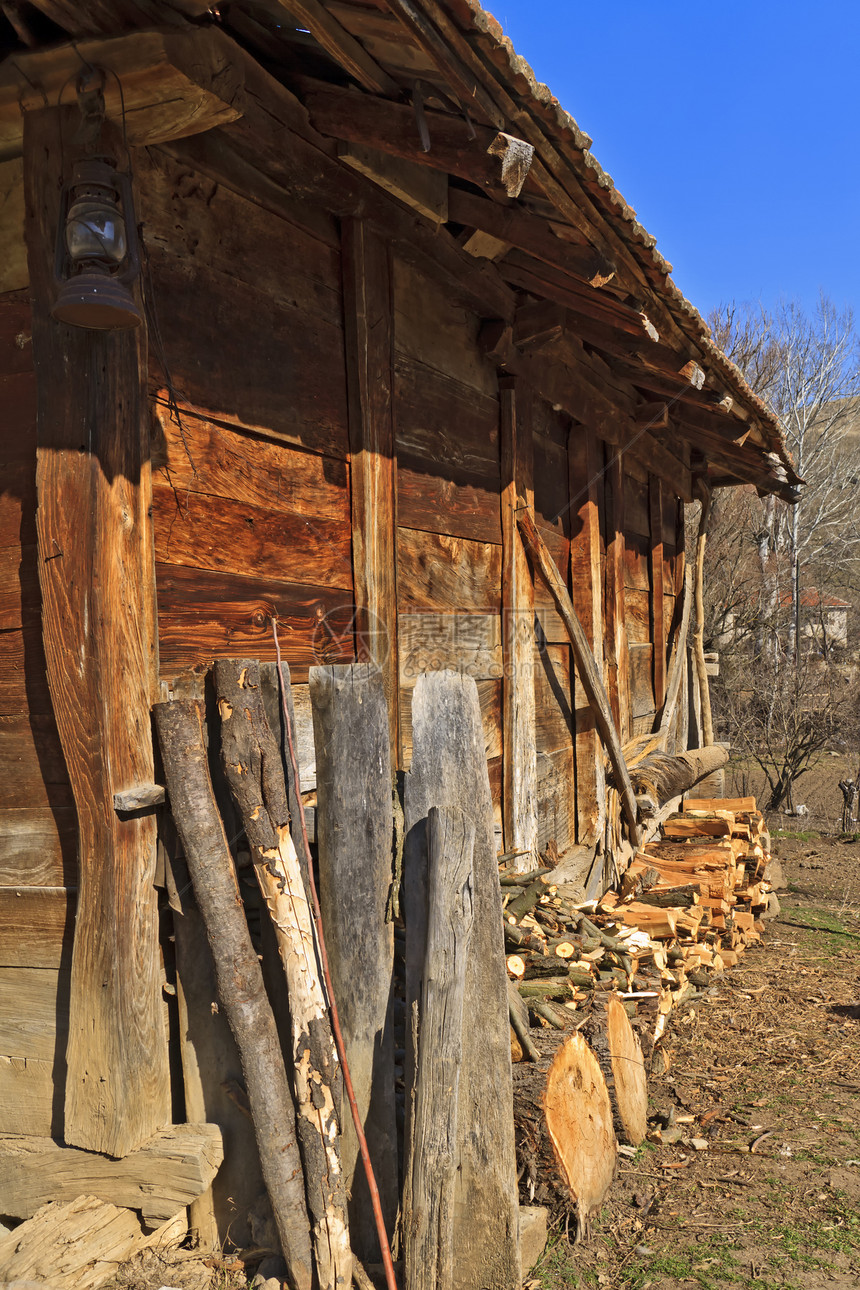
x=96 y=301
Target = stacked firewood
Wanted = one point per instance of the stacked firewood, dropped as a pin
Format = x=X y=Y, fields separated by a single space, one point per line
x=687 y=907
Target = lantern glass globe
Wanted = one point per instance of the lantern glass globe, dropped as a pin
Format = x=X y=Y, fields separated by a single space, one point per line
x=95 y=231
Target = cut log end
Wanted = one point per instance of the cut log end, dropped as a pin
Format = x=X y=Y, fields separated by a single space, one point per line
x=578 y=1116
x=620 y=1057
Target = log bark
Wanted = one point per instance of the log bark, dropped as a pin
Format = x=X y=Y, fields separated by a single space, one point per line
x=240 y=978
x=355 y=832
x=449 y=769
x=664 y=776
x=254 y=770
x=588 y=672
x=429 y=1239
x=617 y=1049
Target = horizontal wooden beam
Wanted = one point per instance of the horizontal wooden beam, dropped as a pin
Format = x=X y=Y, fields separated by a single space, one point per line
x=102 y=19
x=457 y=146
x=511 y=225
x=173 y=1168
x=159 y=84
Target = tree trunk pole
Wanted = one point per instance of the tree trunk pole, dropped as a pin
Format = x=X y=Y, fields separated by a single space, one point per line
x=699 y=633
x=239 y=976
x=254 y=770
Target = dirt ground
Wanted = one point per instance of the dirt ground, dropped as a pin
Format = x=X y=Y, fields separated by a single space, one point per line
x=766 y=1069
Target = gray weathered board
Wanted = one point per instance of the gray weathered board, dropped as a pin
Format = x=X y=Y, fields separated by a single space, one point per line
x=449 y=770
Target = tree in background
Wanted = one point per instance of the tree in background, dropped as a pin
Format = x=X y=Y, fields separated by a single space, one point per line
x=765 y=558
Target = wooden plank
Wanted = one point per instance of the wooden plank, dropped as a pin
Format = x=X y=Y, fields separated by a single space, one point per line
x=31 y=1096
x=20 y=601
x=337 y=41
x=616 y=633
x=444 y=424
x=470 y=644
x=191 y=215
x=384 y=38
x=554 y=726
x=430 y=1249
x=23 y=678
x=556 y=799
x=205 y=458
x=205 y=532
x=635 y=560
x=204 y=615
x=16 y=347
x=34 y=1019
x=38 y=846
x=36 y=926
x=102 y=664
x=586 y=583
x=18 y=400
x=166 y=1174
x=442 y=334
x=438 y=572
x=370 y=378
x=655 y=496
x=160 y=84
x=449 y=769
x=13 y=250
x=18 y=502
x=518 y=607
x=290 y=382
x=34 y=766
x=637 y=513
x=425 y=190
x=641 y=680
x=354 y=831
x=490 y=700
x=637 y=612
x=429 y=498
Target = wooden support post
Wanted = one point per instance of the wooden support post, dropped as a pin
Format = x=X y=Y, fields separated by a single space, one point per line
x=370 y=378
x=658 y=616
x=585 y=469
x=519 y=796
x=240 y=978
x=355 y=832
x=616 y=627
x=98 y=594
x=253 y=768
x=677 y=664
x=429 y=1239
x=591 y=679
x=449 y=769
x=707 y=725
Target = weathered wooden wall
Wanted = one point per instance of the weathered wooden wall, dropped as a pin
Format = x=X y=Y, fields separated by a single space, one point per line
x=37 y=818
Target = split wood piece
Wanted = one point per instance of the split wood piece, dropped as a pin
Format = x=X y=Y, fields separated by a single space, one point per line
x=253 y=767
x=579 y=1120
x=737 y=805
x=619 y=1053
x=169 y=1172
x=429 y=1239
x=636 y=881
x=658 y=923
x=664 y=776
x=677 y=662
x=240 y=978
x=588 y=672
x=98 y=623
x=77 y=1245
x=667 y=897
x=355 y=837
x=449 y=768
x=689 y=826
x=519 y=1018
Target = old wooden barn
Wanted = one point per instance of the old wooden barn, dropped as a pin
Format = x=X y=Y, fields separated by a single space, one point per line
x=405 y=362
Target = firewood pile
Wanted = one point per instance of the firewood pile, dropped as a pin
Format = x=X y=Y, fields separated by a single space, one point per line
x=613 y=971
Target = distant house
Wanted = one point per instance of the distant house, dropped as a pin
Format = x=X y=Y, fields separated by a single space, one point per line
x=824 y=619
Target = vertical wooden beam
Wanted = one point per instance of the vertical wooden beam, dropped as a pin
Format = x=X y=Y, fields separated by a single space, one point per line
x=519 y=755
x=368 y=320
x=658 y=614
x=618 y=665
x=94 y=551
x=585 y=472
x=355 y=829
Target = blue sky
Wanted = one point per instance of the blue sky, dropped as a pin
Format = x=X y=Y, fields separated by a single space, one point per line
x=733 y=130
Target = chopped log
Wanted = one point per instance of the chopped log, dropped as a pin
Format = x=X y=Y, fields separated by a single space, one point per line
x=355 y=834
x=688 y=826
x=678 y=897
x=254 y=770
x=519 y=1019
x=429 y=1238
x=545 y=1010
x=169 y=1172
x=554 y=987
x=637 y=881
x=516 y=965
x=664 y=776
x=449 y=768
x=240 y=978
x=579 y=1121
x=526 y=902
x=617 y=1049
x=588 y=671
x=77 y=1245
x=658 y=923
